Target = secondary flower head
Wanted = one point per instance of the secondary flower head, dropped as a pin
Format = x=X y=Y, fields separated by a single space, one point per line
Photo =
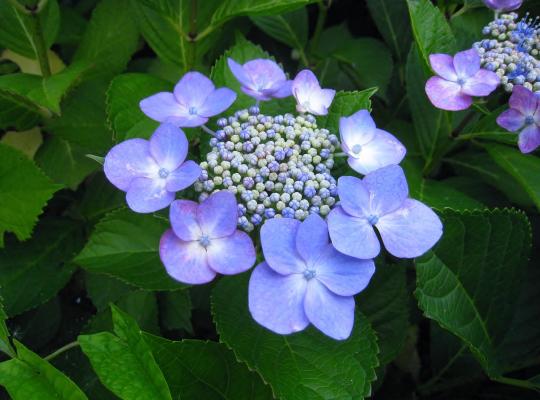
x=407 y=227
x=460 y=78
x=305 y=280
x=204 y=240
x=151 y=171
x=503 y=5
x=309 y=96
x=368 y=148
x=194 y=100
x=261 y=79
x=524 y=116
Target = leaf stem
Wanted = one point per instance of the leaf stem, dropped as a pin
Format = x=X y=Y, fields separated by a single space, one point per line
x=429 y=384
x=41 y=47
x=61 y=350
x=319 y=25
x=208 y=130
x=464 y=122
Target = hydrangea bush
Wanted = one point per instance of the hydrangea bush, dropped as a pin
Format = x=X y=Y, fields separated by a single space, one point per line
x=269 y=199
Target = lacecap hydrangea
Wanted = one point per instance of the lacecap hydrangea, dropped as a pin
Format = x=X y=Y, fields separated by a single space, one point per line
x=509 y=57
x=269 y=179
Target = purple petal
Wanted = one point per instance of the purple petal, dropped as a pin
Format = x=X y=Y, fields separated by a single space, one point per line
x=312 y=238
x=232 y=254
x=163 y=107
x=352 y=236
x=240 y=74
x=218 y=214
x=446 y=95
x=326 y=98
x=503 y=5
x=511 y=120
x=529 y=139
x=523 y=100
x=443 y=65
x=188 y=121
x=356 y=130
x=147 y=195
x=354 y=196
x=331 y=314
x=387 y=188
x=169 y=146
x=193 y=89
x=278 y=240
x=183 y=216
x=217 y=102
x=264 y=73
x=276 y=301
x=382 y=151
x=466 y=63
x=309 y=95
x=341 y=274
x=282 y=89
x=184 y=261
x=129 y=160
x=411 y=230
x=482 y=83
x=183 y=177
x=256 y=94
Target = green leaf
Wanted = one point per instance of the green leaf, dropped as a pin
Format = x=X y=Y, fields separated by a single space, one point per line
x=5 y=344
x=344 y=105
x=24 y=191
x=110 y=39
x=36 y=93
x=123 y=111
x=370 y=62
x=432 y=126
x=103 y=289
x=431 y=31
x=290 y=29
x=175 y=310
x=385 y=304
x=300 y=366
x=16 y=30
x=30 y=377
x=125 y=245
x=17 y=116
x=124 y=362
x=392 y=22
x=525 y=169
x=469 y=283
x=82 y=122
x=434 y=193
x=205 y=370
x=63 y=162
x=99 y=198
x=32 y=272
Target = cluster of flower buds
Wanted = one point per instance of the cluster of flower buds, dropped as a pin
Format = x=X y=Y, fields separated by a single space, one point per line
x=277 y=166
x=512 y=50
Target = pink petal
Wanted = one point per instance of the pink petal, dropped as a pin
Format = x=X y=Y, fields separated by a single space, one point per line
x=443 y=65
x=446 y=95
x=466 y=63
x=523 y=100
x=511 y=120
x=481 y=84
x=529 y=139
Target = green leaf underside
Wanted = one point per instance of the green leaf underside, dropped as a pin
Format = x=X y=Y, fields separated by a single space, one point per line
x=124 y=362
x=305 y=365
x=24 y=191
x=469 y=282
x=125 y=244
x=205 y=370
x=29 y=377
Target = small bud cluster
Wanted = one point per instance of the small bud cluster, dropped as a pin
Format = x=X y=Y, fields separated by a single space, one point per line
x=512 y=51
x=277 y=166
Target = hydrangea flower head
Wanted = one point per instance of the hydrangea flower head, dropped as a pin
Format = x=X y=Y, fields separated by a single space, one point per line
x=503 y=5
x=368 y=148
x=305 y=280
x=310 y=98
x=204 y=240
x=459 y=78
x=195 y=99
x=523 y=116
x=408 y=228
x=152 y=171
x=261 y=79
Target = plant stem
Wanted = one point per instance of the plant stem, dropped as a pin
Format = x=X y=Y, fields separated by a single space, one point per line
x=455 y=133
x=62 y=350
x=208 y=130
x=41 y=48
x=427 y=386
x=319 y=25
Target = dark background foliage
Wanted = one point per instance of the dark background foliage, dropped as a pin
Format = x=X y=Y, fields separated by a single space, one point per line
x=80 y=273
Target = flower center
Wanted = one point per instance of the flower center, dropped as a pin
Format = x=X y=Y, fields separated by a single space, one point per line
x=529 y=120
x=309 y=274
x=461 y=81
x=356 y=149
x=204 y=241
x=373 y=219
x=163 y=173
x=192 y=111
